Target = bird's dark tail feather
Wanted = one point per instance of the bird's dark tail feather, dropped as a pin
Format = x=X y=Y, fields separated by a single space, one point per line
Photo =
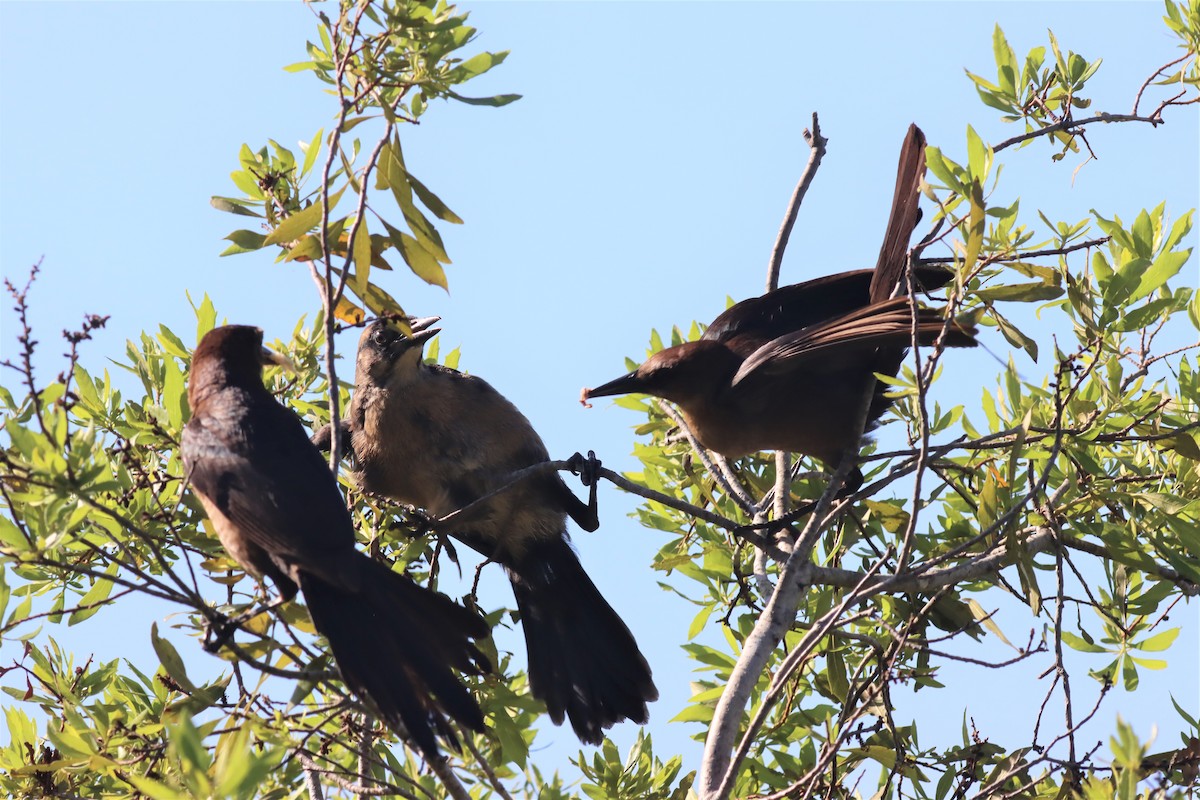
x=583 y=661
x=396 y=643
x=903 y=219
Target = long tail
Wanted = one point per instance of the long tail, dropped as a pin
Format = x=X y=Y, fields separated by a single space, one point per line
x=396 y=643
x=583 y=661
x=905 y=214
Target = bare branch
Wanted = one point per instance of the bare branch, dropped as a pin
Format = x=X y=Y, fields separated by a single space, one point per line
x=816 y=143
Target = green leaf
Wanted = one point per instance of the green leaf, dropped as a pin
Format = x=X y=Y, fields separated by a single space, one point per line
x=1080 y=644
x=1158 y=642
x=310 y=152
x=1006 y=62
x=171 y=343
x=495 y=101
x=1185 y=444
x=1165 y=267
x=978 y=155
x=698 y=622
x=362 y=258
x=1149 y=663
x=1186 y=717
x=94 y=597
x=10 y=534
x=1180 y=229
x=694 y=713
x=168 y=656
x=174 y=393
x=1143 y=235
x=983 y=84
x=302 y=221
x=432 y=202
x=944 y=169
x=206 y=317
x=476 y=65
x=976 y=222
x=987 y=620
x=231 y=206
x=189 y=745
x=69 y=742
x=1146 y=315
x=512 y=743
x=1166 y=503
x=1021 y=292
x=295 y=226
x=244 y=241
x=247 y=183
x=419 y=260
x=1129 y=675
x=1058 y=56
x=1014 y=335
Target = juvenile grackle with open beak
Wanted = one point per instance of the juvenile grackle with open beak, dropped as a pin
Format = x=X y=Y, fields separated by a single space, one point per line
x=787 y=370
x=278 y=512
x=438 y=439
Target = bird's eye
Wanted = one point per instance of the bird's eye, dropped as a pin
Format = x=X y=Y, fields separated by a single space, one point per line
x=380 y=336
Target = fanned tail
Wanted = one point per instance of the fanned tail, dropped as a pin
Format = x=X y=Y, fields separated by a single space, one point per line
x=397 y=643
x=584 y=663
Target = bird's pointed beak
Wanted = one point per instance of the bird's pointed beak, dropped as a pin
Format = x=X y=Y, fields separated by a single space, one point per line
x=279 y=359
x=626 y=384
x=422 y=328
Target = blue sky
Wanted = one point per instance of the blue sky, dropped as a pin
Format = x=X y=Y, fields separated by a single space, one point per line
x=639 y=183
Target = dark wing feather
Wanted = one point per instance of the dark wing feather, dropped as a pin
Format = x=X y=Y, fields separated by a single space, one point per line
x=887 y=323
x=791 y=308
x=750 y=323
x=265 y=476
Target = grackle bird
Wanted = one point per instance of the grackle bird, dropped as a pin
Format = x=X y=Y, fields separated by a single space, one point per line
x=278 y=512
x=438 y=439
x=787 y=370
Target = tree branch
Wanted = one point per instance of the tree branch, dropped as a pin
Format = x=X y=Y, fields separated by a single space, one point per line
x=816 y=143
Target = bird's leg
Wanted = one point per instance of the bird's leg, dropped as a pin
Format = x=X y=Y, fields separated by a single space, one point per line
x=423 y=524
x=323 y=438
x=850 y=485
x=588 y=470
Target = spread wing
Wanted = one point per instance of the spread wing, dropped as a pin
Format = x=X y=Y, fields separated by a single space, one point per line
x=260 y=471
x=790 y=308
x=825 y=347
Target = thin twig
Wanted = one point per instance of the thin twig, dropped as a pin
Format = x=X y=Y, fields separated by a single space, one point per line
x=816 y=143
x=1069 y=124
x=1000 y=258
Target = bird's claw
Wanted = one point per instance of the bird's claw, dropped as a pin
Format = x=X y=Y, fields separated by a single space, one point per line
x=421 y=522
x=588 y=469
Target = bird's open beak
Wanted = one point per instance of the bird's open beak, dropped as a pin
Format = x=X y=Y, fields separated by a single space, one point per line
x=422 y=328
x=626 y=384
x=279 y=359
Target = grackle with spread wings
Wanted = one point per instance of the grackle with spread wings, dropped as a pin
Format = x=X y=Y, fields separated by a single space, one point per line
x=787 y=370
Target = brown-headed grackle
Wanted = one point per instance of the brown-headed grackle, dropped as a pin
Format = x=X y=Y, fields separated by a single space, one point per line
x=787 y=370
x=278 y=512
x=438 y=439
